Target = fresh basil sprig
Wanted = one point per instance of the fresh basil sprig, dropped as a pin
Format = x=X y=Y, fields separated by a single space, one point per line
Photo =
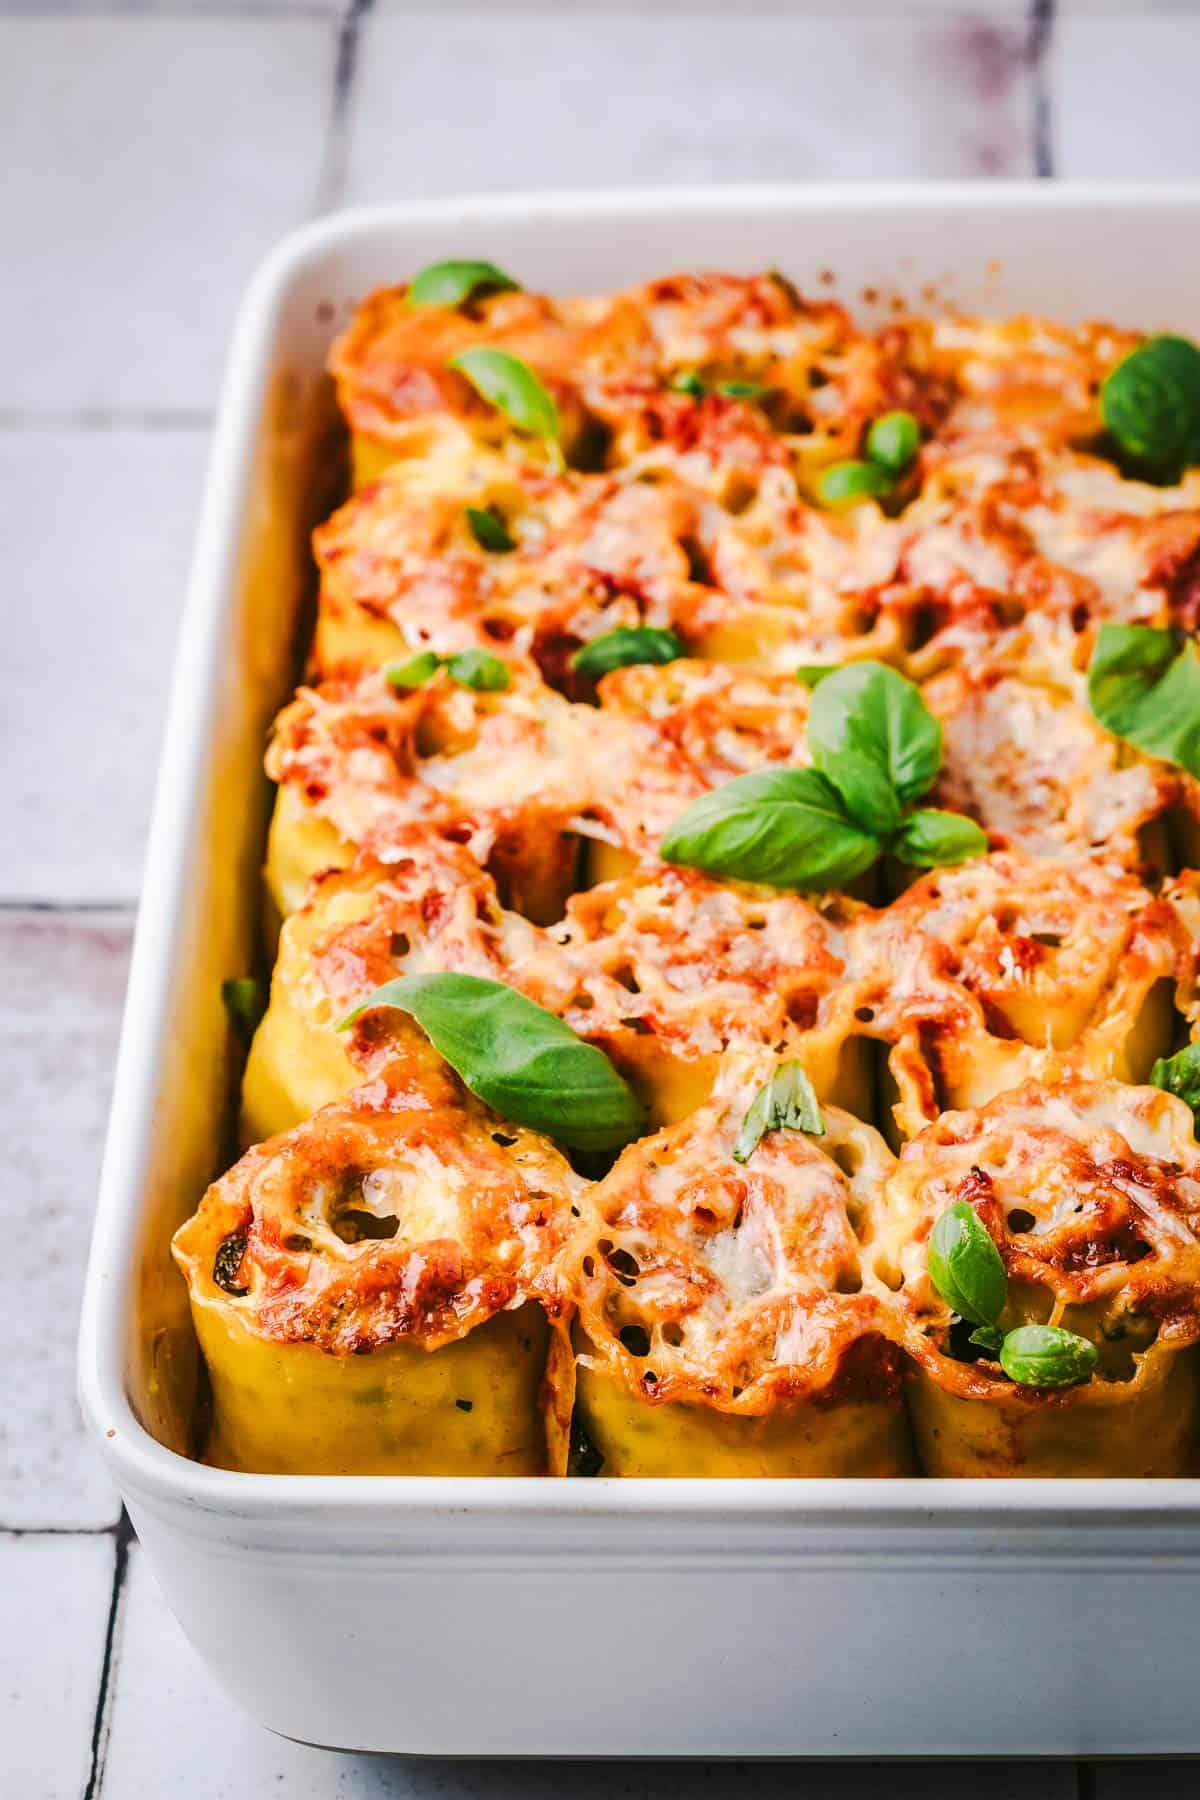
x=781 y=827
x=965 y=1266
x=1150 y=404
x=692 y=383
x=786 y=1103
x=1046 y=1356
x=511 y=386
x=477 y=669
x=968 y=1272
x=489 y=529
x=245 y=1002
x=1144 y=685
x=1180 y=1075
x=519 y=1059
x=871 y=734
x=891 y=445
x=932 y=839
x=454 y=283
x=809 y=675
x=876 y=748
x=624 y=646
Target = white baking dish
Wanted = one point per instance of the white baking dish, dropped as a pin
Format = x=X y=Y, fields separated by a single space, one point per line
x=590 y=1617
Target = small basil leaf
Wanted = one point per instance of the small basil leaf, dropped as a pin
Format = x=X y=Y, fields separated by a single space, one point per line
x=783 y=827
x=623 y=646
x=511 y=386
x=452 y=283
x=809 y=674
x=478 y=669
x=741 y=390
x=893 y=441
x=1046 y=1356
x=1147 y=691
x=1180 y=1075
x=786 y=1103
x=489 y=530
x=989 y=1338
x=415 y=672
x=1151 y=405
x=686 y=381
x=519 y=1059
x=245 y=1003
x=871 y=734
x=965 y=1266
x=931 y=839
x=847 y=483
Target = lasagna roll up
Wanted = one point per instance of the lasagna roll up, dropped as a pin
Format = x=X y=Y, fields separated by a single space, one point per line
x=1090 y=1194
x=725 y=1325
x=1010 y=968
x=663 y=970
x=372 y=1291
x=360 y=765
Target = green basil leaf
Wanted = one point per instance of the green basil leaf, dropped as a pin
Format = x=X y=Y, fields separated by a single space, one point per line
x=782 y=827
x=511 y=386
x=245 y=1002
x=625 y=645
x=989 y=1338
x=1046 y=1356
x=686 y=381
x=1180 y=1075
x=845 y=484
x=786 y=1103
x=1151 y=405
x=893 y=441
x=871 y=734
x=519 y=1059
x=415 y=672
x=932 y=839
x=965 y=1266
x=489 y=530
x=809 y=674
x=1147 y=691
x=741 y=390
x=478 y=669
x=452 y=283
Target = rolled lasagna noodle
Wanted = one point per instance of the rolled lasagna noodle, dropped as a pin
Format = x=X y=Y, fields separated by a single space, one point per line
x=1009 y=968
x=1030 y=762
x=664 y=971
x=373 y=1291
x=1091 y=1193
x=1024 y=550
x=360 y=764
x=402 y=570
x=726 y=1326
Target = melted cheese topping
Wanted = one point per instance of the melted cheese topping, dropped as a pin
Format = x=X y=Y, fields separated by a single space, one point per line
x=404 y=1212
x=1091 y=1193
x=737 y=1285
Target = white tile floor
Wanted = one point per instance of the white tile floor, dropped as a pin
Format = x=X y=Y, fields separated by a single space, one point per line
x=152 y=153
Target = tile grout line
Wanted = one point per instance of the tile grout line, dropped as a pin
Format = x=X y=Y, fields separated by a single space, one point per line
x=102 y=1718
x=1038 y=52
x=99 y=418
x=123 y=910
x=331 y=178
x=13 y=1533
